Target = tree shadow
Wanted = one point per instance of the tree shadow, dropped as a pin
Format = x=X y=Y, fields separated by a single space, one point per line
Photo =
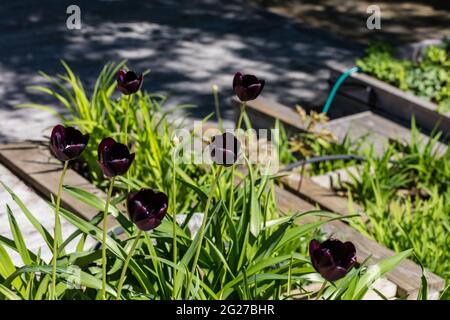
x=402 y=21
x=188 y=47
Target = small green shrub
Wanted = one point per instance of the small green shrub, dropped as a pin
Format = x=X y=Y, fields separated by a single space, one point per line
x=428 y=78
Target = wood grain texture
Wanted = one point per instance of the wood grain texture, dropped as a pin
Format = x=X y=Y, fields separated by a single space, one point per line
x=376 y=129
x=38 y=168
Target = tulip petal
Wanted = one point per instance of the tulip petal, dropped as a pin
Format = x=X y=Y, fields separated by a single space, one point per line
x=130 y=76
x=147 y=208
x=248 y=80
x=104 y=149
x=333 y=273
x=106 y=170
x=121 y=75
x=237 y=80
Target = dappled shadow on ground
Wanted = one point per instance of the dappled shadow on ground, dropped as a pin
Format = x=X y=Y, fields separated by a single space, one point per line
x=188 y=47
x=402 y=21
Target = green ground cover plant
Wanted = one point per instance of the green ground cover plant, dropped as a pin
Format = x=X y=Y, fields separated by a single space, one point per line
x=428 y=78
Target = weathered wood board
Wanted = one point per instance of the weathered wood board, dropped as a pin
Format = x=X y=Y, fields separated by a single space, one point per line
x=390 y=101
x=40 y=210
x=34 y=164
x=376 y=129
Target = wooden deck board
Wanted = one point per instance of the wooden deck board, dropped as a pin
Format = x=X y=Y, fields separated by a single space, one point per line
x=35 y=165
x=41 y=211
x=378 y=129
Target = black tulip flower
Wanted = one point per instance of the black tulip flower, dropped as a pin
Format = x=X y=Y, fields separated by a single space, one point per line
x=128 y=82
x=114 y=158
x=147 y=209
x=247 y=87
x=67 y=143
x=224 y=149
x=332 y=258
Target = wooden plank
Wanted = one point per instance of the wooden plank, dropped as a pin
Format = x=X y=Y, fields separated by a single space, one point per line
x=407 y=276
x=35 y=165
x=263 y=112
x=329 y=179
x=313 y=192
x=40 y=210
x=393 y=102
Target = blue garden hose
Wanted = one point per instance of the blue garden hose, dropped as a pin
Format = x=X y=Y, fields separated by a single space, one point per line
x=336 y=87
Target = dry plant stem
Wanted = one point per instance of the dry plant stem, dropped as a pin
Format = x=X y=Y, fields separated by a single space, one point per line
x=202 y=230
x=301 y=178
x=238 y=126
x=57 y=231
x=125 y=265
x=105 y=216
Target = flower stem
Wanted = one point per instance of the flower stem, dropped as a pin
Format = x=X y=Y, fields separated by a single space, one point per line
x=57 y=231
x=125 y=265
x=241 y=115
x=202 y=230
x=174 y=217
x=321 y=290
x=238 y=126
x=105 y=216
x=127 y=108
x=217 y=105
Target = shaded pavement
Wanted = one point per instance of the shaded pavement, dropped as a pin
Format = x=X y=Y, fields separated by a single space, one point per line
x=189 y=46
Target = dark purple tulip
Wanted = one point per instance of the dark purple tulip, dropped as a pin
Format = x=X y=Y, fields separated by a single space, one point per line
x=114 y=158
x=247 y=87
x=129 y=82
x=332 y=258
x=224 y=149
x=147 y=208
x=67 y=143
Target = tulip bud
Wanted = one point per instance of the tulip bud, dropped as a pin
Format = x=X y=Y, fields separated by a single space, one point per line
x=114 y=158
x=129 y=82
x=224 y=149
x=147 y=208
x=247 y=87
x=67 y=143
x=175 y=140
x=333 y=259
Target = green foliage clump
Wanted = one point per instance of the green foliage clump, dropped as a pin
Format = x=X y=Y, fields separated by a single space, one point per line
x=428 y=78
x=405 y=194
